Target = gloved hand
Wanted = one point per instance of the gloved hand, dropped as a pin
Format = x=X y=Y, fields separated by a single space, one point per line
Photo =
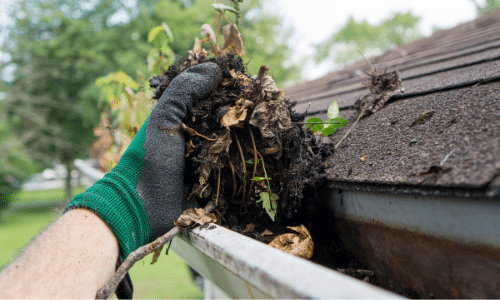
x=141 y=197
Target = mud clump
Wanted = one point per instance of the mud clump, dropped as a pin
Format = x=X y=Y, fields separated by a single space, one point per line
x=245 y=152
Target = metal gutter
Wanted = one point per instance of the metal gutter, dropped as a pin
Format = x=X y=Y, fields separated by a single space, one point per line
x=422 y=246
x=245 y=268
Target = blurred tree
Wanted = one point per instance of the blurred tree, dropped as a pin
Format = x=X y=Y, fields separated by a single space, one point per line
x=15 y=164
x=59 y=48
x=343 y=45
x=488 y=6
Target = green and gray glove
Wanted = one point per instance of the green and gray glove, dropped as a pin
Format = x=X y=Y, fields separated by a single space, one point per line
x=142 y=196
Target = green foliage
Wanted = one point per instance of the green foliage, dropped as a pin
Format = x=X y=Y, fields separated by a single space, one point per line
x=15 y=164
x=270 y=203
x=488 y=6
x=398 y=29
x=329 y=126
x=269 y=199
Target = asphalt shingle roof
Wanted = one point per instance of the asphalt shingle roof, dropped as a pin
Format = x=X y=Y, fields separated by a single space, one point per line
x=455 y=74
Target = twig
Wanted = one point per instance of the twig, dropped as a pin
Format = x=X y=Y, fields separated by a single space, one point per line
x=347 y=133
x=446 y=157
x=369 y=63
x=244 y=165
x=191 y=131
x=234 y=177
x=254 y=160
x=109 y=288
x=218 y=188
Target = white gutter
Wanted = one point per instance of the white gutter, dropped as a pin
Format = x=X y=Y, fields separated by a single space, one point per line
x=245 y=268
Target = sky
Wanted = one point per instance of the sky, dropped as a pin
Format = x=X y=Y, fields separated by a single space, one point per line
x=316 y=20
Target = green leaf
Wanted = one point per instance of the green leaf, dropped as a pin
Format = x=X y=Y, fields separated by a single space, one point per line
x=250 y=161
x=333 y=125
x=270 y=203
x=169 y=33
x=159 y=37
x=259 y=178
x=222 y=8
x=154 y=32
x=333 y=110
x=314 y=127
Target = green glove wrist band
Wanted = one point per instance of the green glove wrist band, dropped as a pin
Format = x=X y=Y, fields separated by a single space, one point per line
x=114 y=198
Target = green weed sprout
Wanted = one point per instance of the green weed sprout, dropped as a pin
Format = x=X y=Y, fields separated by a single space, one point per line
x=329 y=126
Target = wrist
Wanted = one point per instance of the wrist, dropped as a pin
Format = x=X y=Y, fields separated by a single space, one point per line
x=115 y=200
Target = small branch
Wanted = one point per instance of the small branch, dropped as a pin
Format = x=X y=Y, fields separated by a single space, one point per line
x=218 y=189
x=234 y=177
x=191 y=131
x=347 y=133
x=244 y=165
x=109 y=288
x=255 y=159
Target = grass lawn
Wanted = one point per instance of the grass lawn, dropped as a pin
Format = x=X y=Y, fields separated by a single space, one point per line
x=54 y=195
x=168 y=278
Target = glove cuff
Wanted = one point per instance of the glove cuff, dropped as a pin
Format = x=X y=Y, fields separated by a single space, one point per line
x=115 y=200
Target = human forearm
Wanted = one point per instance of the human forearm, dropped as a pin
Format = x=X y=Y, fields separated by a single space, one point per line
x=73 y=258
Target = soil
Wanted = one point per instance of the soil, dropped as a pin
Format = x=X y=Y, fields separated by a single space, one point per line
x=245 y=114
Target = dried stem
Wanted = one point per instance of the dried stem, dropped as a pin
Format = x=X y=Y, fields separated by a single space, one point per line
x=254 y=160
x=191 y=131
x=109 y=288
x=244 y=165
x=347 y=133
x=218 y=189
x=234 y=177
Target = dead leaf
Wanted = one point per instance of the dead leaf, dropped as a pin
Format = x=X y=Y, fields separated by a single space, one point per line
x=232 y=40
x=300 y=244
x=234 y=117
x=189 y=148
x=363 y=157
x=381 y=86
x=425 y=116
x=206 y=30
x=268 y=151
x=219 y=147
x=267 y=232
x=250 y=228
x=192 y=217
x=156 y=255
x=271 y=114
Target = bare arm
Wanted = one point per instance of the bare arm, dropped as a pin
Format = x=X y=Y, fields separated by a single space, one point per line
x=73 y=258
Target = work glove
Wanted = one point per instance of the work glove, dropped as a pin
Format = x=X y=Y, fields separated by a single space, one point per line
x=142 y=196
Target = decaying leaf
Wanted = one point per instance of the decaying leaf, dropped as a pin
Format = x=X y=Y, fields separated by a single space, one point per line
x=300 y=244
x=192 y=217
x=218 y=148
x=381 y=86
x=271 y=114
x=232 y=40
x=250 y=228
x=207 y=31
x=156 y=255
x=267 y=232
x=425 y=116
x=234 y=117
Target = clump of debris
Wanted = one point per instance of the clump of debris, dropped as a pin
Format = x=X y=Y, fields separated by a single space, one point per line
x=249 y=155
